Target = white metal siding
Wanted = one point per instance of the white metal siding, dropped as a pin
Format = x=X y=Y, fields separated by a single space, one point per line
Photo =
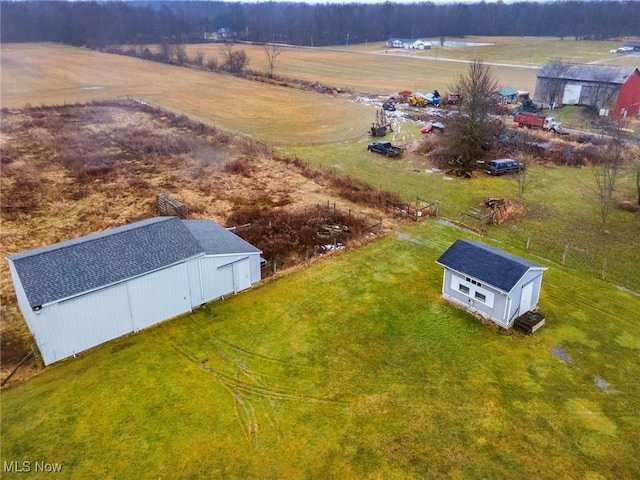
x=216 y=281
x=241 y=275
x=533 y=276
x=159 y=295
x=66 y=328
x=494 y=308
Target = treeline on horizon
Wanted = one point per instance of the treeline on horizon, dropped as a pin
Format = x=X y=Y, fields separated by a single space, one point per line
x=99 y=24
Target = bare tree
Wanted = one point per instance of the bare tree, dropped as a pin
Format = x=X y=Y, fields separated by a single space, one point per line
x=524 y=178
x=607 y=169
x=212 y=64
x=199 y=59
x=167 y=51
x=235 y=61
x=272 y=52
x=469 y=131
x=181 y=54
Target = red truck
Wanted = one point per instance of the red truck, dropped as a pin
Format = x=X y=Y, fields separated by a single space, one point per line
x=534 y=120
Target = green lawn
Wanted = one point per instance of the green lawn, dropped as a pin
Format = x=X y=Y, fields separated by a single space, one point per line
x=352 y=368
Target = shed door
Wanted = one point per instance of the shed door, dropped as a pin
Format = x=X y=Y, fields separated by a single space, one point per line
x=571 y=94
x=525 y=298
x=242 y=275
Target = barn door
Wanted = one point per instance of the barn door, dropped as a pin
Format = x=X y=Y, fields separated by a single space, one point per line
x=572 y=94
x=242 y=275
x=525 y=298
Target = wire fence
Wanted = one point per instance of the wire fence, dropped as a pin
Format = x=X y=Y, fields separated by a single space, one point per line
x=587 y=256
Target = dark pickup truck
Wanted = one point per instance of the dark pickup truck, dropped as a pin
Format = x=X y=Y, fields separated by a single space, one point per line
x=385 y=148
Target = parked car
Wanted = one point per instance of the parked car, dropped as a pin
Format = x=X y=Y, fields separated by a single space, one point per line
x=504 y=166
x=433 y=127
x=385 y=148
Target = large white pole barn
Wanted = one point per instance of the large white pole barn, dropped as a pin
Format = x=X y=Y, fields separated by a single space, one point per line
x=80 y=293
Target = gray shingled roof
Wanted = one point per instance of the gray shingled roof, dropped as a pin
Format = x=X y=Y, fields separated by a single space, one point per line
x=217 y=240
x=72 y=267
x=485 y=263
x=587 y=73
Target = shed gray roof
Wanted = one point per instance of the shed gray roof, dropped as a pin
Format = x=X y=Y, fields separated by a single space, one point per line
x=488 y=264
x=217 y=240
x=587 y=73
x=72 y=267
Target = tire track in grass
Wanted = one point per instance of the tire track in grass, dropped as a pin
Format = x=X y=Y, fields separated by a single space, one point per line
x=248 y=386
x=244 y=412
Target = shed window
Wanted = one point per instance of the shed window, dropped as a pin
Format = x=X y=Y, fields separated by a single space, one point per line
x=463 y=289
x=481 y=297
x=475 y=282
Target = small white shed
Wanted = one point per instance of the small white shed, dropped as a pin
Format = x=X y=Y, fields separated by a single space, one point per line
x=488 y=281
x=80 y=293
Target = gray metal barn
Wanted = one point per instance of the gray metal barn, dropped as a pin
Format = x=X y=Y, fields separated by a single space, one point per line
x=613 y=90
x=80 y=293
x=490 y=282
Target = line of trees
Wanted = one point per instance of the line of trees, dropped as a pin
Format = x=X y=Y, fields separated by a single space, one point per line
x=142 y=22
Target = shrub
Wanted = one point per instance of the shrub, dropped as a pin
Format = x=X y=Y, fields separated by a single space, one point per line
x=239 y=166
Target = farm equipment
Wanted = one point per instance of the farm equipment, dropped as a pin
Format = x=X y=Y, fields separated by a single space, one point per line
x=381 y=126
x=417 y=100
x=424 y=100
x=533 y=120
x=452 y=99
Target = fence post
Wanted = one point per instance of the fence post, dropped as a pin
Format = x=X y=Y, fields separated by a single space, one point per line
x=564 y=255
x=528 y=241
x=604 y=269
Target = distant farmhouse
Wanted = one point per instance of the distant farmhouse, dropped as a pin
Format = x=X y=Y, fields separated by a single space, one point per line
x=408 y=43
x=80 y=293
x=488 y=281
x=613 y=90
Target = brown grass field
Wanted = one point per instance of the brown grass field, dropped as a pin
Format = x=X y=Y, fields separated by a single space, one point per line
x=55 y=74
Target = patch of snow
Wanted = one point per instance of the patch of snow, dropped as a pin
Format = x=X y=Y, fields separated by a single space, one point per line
x=604 y=385
x=559 y=352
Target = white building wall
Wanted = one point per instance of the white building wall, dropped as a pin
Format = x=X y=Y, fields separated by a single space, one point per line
x=159 y=295
x=493 y=307
x=533 y=275
x=226 y=274
x=65 y=328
